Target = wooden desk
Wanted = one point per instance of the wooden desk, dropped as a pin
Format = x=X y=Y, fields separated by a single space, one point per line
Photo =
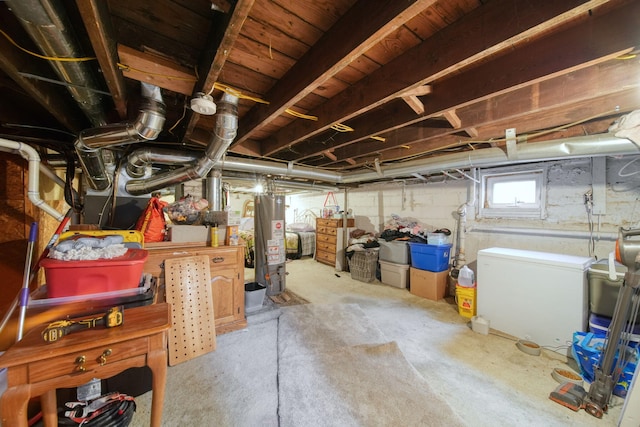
x=36 y=368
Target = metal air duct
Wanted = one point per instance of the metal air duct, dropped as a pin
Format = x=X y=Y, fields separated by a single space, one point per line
x=48 y=26
x=214 y=190
x=583 y=146
x=142 y=158
x=147 y=126
x=223 y=135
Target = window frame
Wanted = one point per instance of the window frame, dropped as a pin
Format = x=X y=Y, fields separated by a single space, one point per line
x=490 y=177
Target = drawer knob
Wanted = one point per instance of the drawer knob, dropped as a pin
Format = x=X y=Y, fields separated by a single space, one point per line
x=217 y=259
x=80 y=360
x=103 y=357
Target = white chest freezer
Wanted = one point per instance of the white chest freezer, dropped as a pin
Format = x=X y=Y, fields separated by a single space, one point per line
x=537 y=296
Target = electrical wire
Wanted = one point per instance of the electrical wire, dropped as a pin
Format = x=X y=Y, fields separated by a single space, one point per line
x=300 y=115
x=588 y=203
x=626 y=165
x=48 y=58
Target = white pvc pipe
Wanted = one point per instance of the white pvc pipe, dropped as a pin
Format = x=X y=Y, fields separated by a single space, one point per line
x=543 y=232
x=32 y=156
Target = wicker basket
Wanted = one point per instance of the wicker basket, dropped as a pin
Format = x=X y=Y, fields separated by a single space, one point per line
x=363 y=265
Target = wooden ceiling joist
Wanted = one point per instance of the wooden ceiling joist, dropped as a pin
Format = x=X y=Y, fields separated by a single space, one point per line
x=95 y=15
x=460 y=90
x=156 y=70
x=455 y=54
x=355 y=33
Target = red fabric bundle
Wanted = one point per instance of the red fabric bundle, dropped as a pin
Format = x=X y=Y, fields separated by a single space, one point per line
x=152 y=223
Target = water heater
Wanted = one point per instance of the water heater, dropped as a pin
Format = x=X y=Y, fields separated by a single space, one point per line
x=270 y=251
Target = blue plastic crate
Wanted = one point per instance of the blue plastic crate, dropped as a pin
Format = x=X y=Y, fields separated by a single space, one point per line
x=430 y=257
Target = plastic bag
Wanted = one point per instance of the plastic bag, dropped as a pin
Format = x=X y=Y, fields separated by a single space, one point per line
x=152 y=223
x=586 y=350
x=187 y=210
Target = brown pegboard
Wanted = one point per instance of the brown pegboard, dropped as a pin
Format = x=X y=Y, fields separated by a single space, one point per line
x=188 y=289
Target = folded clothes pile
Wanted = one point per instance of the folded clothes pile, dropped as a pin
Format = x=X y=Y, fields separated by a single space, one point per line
x=79 y=248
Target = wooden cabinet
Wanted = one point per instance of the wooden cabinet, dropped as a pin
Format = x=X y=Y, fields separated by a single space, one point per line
x=330 y=242
x=227 y=278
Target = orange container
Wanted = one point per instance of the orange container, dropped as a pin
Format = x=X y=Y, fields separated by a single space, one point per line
x=70 y=278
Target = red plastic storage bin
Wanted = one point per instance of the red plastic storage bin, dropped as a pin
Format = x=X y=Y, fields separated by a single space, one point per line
x=70 y=278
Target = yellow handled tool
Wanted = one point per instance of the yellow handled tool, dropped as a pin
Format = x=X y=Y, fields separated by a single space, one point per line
x=60 y=328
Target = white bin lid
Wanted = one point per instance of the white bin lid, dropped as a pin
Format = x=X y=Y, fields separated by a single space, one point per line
x=547 y=258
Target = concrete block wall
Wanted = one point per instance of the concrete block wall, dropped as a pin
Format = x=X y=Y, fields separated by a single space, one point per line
x=436 y=204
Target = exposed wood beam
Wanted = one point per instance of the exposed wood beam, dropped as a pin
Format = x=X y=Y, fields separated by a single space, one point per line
x=568 y=92
x=97 y=21
x=156 y=70
x=435 y=59
x=419 y=91
x=517 y=70
x=362 y=27
x=220 y=49
x=561 y=116
x=382 y=119
x=590 y=82
x=453 y=118
x=412 y=100
x=330 y=155
x=415 y=103
x=472 y=132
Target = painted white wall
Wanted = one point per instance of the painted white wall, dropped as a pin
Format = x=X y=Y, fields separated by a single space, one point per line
x=435 y=205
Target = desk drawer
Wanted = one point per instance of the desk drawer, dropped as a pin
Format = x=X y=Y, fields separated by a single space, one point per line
x=328 y=222
x=327 y=230
x=325 y=238
x=326 y=247
x=220 y=257
x=68 y=365
x=326 y=257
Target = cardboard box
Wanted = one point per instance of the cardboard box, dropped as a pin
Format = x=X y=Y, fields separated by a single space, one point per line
x=428 y=284
x=233 y=237
x=188 y=233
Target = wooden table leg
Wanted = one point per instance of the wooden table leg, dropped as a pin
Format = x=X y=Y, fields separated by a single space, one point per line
x=14 y=405
x=49 y=404
x=157 y=362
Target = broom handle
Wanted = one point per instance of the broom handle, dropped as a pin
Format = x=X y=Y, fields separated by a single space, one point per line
x=24 y=292
x=52 y=242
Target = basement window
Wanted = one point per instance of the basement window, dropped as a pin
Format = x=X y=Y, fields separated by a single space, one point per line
x=509 y=193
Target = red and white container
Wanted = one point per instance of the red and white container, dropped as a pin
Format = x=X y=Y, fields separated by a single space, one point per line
x=70 y=278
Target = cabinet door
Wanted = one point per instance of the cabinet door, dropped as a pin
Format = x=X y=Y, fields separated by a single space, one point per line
x=227 y=282
x=224 y=282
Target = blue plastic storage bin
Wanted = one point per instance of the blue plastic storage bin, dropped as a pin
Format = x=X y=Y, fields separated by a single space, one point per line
x=430 y=257
x=587 y=349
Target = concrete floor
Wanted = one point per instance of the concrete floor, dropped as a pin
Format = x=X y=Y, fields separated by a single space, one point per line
x=484 y=378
